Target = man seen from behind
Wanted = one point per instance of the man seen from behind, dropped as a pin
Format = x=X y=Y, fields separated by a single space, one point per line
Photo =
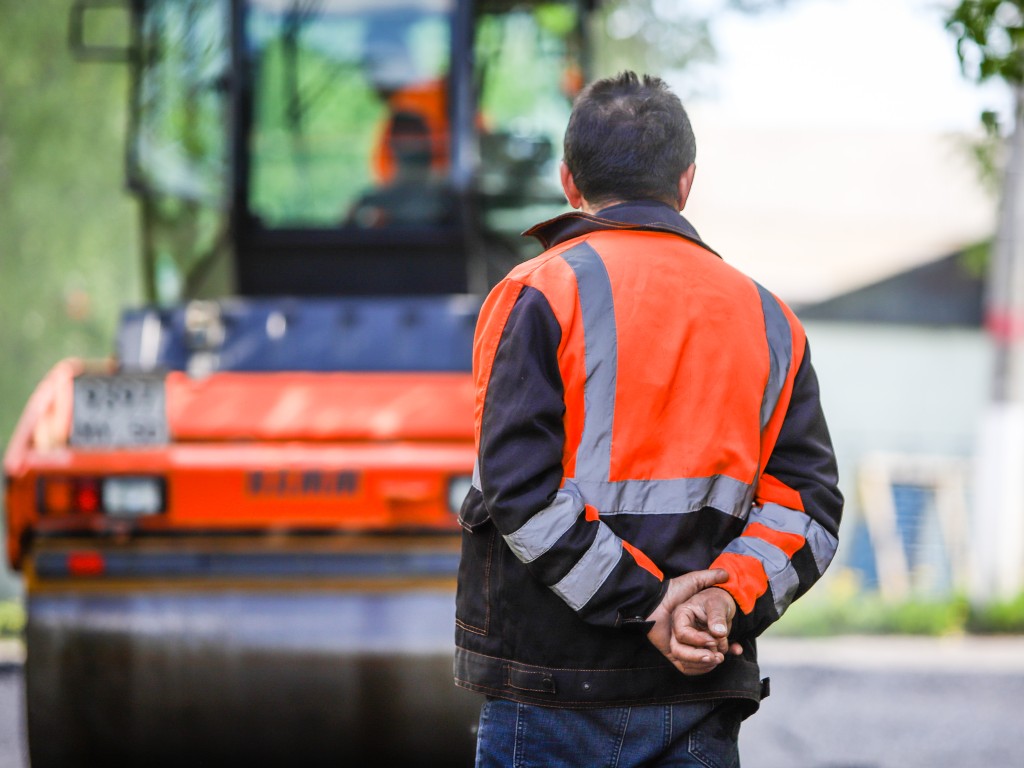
x=655 y=482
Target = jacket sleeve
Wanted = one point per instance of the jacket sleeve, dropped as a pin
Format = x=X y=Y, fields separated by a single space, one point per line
x=792 y=532
x=521 y=439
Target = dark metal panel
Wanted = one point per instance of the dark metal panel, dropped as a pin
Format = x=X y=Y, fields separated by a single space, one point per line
x=341 y=334
x=233 y=678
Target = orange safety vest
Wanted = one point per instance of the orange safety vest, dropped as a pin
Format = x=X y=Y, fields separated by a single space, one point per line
x=677 y=377
x=429 y=102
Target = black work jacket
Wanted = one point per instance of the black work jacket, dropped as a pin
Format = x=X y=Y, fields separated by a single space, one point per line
x=518 y=636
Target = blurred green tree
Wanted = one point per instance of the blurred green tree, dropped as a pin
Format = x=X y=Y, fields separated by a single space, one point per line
x=989 y=36
x=660 y=35
x=67 y=230
x=989 y=39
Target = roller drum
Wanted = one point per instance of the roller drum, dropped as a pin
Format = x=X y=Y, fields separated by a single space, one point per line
x=270 y=678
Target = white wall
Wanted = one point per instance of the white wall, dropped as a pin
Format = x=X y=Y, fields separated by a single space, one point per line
x=897 y=389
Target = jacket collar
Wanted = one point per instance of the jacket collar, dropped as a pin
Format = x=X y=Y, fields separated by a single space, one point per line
x=636 y=215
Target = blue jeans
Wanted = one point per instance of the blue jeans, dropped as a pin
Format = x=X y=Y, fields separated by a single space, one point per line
x=692 y=735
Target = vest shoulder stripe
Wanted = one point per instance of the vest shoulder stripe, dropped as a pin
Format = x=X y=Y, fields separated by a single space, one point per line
x=780 y=351
x=601 y=359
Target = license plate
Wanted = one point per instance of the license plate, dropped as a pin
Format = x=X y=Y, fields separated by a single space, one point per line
x=124 y=410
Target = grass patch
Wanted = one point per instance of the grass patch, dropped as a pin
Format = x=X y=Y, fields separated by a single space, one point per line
x=840 y=607
x=998 y=618
x=12 y=618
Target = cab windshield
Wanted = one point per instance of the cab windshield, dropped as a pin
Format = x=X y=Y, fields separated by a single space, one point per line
x=271 y=133
x=350 y=113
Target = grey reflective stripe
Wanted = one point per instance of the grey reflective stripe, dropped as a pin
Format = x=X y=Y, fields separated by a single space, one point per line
x=780 y=352
x=594 y=288
x=668 y=497
x=782 y=577
x=476 y=475
x=593 y=456
x=821 y=543
x=538 y=534
x=586 y=577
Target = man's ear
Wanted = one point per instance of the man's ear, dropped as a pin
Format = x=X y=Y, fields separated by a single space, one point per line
x=572 y=194
x=686 y=184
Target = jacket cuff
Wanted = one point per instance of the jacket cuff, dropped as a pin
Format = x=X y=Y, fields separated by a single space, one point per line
x=637 y=620
x=747 y=579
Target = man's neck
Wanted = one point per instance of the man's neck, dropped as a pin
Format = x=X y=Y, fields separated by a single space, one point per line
x=596 y=210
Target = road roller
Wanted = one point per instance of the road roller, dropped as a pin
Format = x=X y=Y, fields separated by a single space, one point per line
x=239 y=533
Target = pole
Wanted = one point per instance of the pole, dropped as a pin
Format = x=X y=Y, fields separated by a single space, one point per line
x=998 y=527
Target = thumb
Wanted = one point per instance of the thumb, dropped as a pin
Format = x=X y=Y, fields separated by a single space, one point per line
x=718 y=619
x=720 y=608
x=682 y=588
x=698 y=581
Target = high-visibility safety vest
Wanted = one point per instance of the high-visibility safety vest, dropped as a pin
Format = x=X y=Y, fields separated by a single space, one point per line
x=676 y=375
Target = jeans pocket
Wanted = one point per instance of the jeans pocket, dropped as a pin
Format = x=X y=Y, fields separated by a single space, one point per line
x=549 y=737
x=714 y=741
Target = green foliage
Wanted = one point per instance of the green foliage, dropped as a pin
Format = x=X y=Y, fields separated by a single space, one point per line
x=12 y=618
x=989 y=34
x=659 y=35
x=297 y=165
x=1002 y=617
x=975 y=258
x=988 y=152
x=68 y=258
x=650 y=36
x=840 y=607
x=868 y=614
x=989 y=37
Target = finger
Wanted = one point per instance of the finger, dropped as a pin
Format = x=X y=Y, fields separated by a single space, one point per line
x=692 y=668
x=690 y=614
x=698 y=669
x=690 y=655
x=690 y=630
x=717 y=621
x=695 y=638
x=736 y=649
x=699 y=580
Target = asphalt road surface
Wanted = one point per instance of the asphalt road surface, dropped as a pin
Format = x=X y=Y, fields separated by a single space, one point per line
x=838 y=703
x=12 y=727
x=890 y=703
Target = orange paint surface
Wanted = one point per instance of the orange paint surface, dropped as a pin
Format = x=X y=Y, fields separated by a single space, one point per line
x=263 y=452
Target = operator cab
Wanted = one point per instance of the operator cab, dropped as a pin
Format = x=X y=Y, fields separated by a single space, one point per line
x=346 y=147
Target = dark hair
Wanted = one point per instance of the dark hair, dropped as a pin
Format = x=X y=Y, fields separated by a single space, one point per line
x=629 y=138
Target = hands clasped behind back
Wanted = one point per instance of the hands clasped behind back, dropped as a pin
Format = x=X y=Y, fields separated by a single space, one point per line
x=692 y=622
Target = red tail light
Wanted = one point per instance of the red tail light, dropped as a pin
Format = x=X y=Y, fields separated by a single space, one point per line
x=87 y=495
x=124 y=496
x=86 y=563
